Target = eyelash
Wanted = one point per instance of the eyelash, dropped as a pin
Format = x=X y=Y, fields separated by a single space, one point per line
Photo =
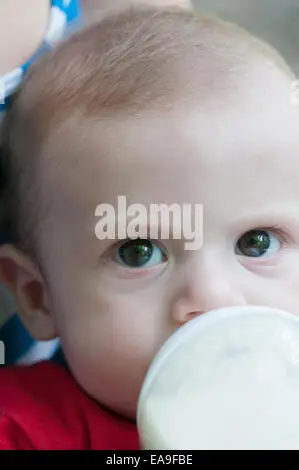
x=118 y=244
x=274 y=229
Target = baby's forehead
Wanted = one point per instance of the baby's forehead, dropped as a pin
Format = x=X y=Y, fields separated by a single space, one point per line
x=235 y=171
x=239 y=153
x=256 y=124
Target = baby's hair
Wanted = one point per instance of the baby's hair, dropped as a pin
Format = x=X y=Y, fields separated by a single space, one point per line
x=127 y=62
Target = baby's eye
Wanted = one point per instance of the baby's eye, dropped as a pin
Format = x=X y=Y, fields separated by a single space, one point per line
x=257 y=243
x=140 y=253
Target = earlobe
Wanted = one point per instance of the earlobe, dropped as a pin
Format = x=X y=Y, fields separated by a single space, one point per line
x=23 y=278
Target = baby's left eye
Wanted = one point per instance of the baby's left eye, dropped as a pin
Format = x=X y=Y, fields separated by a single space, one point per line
x=258 y=243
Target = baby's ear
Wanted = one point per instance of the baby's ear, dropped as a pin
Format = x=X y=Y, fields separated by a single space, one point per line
x=23 y=278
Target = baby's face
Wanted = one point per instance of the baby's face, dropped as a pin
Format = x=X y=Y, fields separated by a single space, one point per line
x=115 y=304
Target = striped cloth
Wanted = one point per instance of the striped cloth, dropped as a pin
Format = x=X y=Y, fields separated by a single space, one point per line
x=19 y=345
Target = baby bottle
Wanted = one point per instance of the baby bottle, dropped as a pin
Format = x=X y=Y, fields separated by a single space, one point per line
x=227 y=380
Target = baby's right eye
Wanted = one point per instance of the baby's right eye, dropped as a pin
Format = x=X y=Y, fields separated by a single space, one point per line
x=140 y=253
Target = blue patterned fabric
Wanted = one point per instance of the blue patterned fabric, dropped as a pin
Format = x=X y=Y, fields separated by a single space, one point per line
x=63 y=12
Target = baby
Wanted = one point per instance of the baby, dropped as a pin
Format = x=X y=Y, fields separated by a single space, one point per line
x=161 y=107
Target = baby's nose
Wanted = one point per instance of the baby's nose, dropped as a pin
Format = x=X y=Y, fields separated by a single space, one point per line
x=206 y=295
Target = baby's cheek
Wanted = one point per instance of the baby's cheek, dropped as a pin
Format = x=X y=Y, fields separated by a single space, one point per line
x=117 y=332
x=289 y=294
x=110 y=366
x=110 y=339
x=273 y=283
x=278 y=293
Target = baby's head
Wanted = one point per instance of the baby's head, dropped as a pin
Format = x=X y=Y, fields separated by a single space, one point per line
x=159 y=107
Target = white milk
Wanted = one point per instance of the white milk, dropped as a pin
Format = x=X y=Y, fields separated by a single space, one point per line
x=228 y=379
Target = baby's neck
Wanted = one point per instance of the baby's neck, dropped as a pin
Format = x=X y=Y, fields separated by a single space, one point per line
x=23 y=26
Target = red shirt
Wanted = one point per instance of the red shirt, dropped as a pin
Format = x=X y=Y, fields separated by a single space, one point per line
x=43 y=408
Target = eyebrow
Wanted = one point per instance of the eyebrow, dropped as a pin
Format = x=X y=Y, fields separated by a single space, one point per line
x=154 y=231
x=270 y=219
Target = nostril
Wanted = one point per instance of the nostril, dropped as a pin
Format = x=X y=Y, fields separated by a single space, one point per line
x=195 y=314
x=190 y=316
x=182 y=315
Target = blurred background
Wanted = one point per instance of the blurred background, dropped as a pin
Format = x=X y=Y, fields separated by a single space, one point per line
x=276 y=21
